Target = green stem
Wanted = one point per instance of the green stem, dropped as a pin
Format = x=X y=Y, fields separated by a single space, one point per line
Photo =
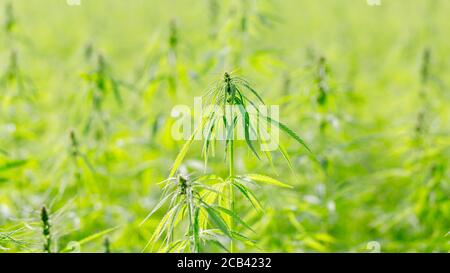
x=231 y=192
x=193 y=241
x=231 y=159
x=231 y=163
x=191 y=230
x=229 y=92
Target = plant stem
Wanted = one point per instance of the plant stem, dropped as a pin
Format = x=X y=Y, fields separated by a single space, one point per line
x=229 y=92
x=231 y=197
x=191 y=229
x=231 y=159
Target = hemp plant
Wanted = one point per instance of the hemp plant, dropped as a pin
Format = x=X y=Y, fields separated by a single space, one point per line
x=420 y=127
x=243 y=20
x=11 y=28
x=323 y=88
x=235 y=112
x=101 y=84
x=80 y=172
x=10 y=22
x=213 y=14
x=161 y=67
x=15 y=80
x=185 y=198
x=77 y=155
x=55 y=225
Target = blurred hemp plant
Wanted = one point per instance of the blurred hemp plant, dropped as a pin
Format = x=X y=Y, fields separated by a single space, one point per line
x=78 y=157
x=50 y=221
x=10 y=22
x=10 y=27
x=16 y=83
x=101 y=84
x=14 y=80
x=421 y=126
x=323 y=98
x=46 y=230
x=209 y=201
x=160 y=67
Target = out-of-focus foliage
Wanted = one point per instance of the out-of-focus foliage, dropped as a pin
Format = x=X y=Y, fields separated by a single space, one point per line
x=86 y=94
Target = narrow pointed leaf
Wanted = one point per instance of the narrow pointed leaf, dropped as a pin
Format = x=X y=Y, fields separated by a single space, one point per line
x=289 y=132
x=217 y=220
x=249 y=195
x=265 y=179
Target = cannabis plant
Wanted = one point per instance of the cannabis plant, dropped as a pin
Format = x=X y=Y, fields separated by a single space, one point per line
x=15 y=81
x=101 y=84
x=209 y=200
x=53 y=227
x=161 y=68
x=10 y=20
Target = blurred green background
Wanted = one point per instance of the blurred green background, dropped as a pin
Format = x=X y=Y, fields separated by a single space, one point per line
x=382 y=136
